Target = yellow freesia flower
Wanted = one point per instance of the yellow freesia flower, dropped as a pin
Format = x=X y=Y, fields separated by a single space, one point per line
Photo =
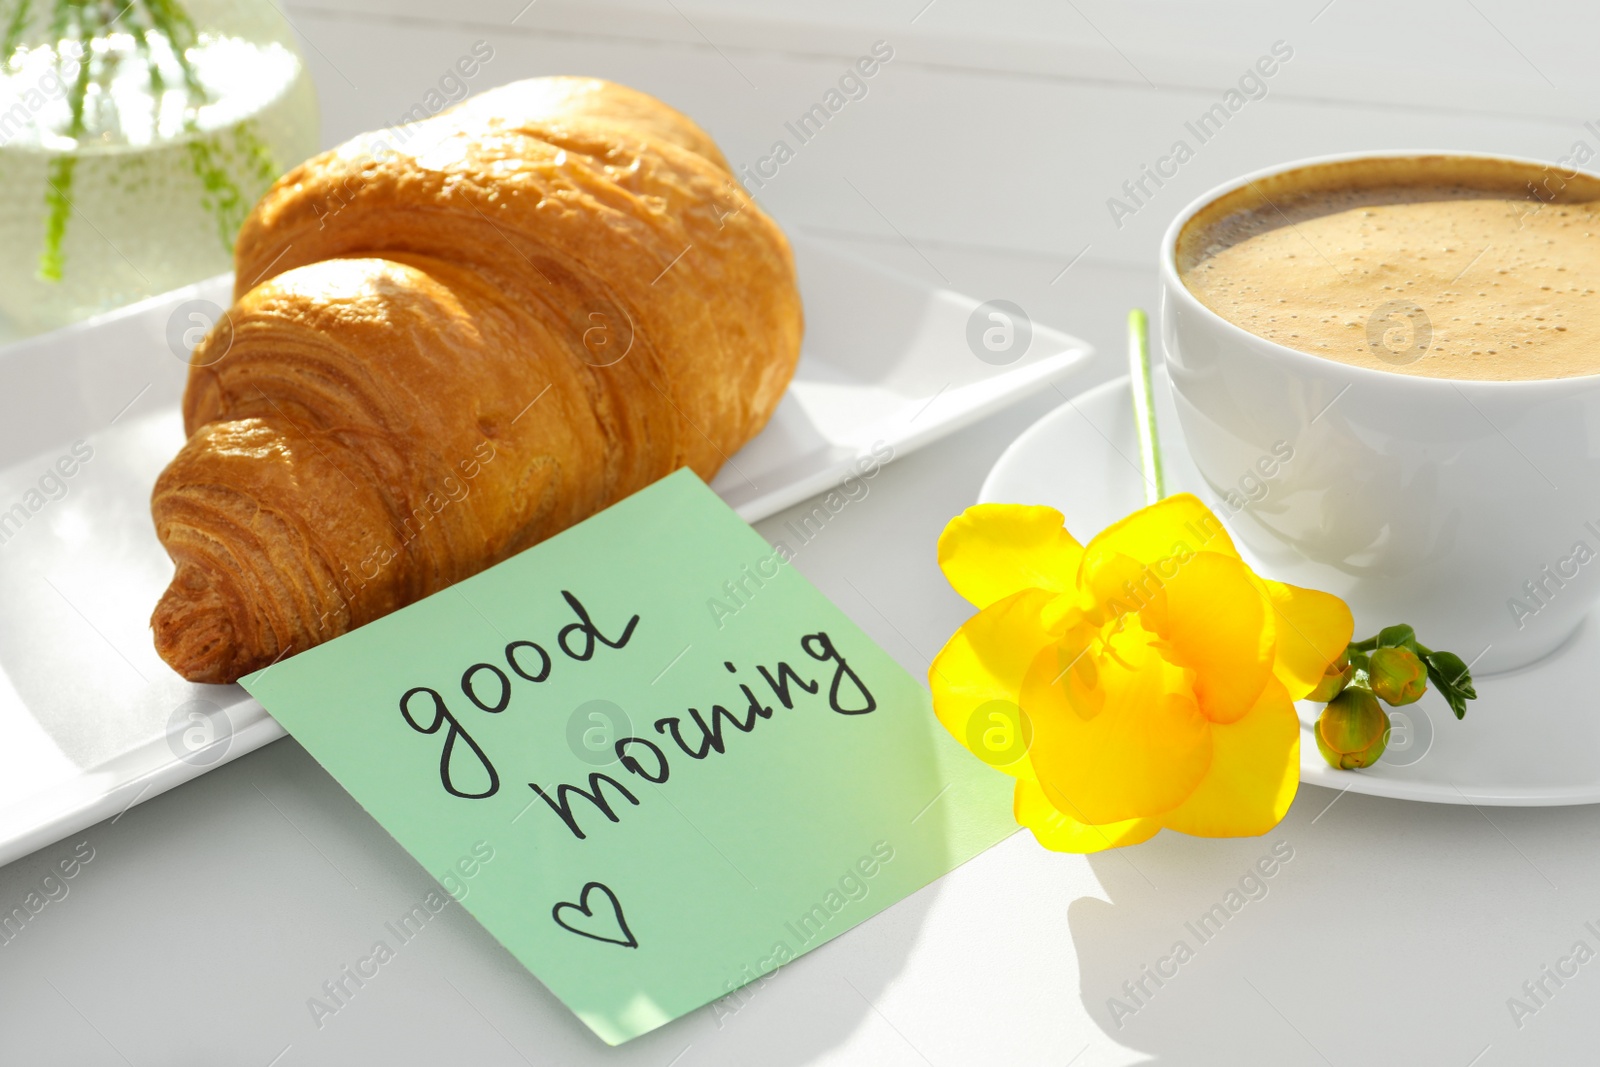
x=1151 y=674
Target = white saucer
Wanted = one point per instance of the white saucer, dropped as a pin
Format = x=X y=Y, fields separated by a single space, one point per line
x=1519 y=743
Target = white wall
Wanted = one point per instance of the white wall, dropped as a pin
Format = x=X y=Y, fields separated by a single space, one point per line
x=985 y=153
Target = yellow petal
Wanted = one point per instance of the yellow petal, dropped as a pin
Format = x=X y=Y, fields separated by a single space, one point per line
x=1176 y=526
x=1215 y=622
x=1311 y=628
x=985 y=661
x=1138 y=749
x=1062 y=833
x=1111 y=584
x=991 y=551
x=1255 y=771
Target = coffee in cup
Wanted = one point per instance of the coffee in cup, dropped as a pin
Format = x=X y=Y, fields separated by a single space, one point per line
x=1450 y=269
x=1419 y=330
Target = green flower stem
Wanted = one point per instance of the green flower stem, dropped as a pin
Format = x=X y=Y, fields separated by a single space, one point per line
x=83 y=22
x=1371 y=645
x=14 y=28
x=170 y=20
x=1144 y=408
x=58 y=198
x=58 y=206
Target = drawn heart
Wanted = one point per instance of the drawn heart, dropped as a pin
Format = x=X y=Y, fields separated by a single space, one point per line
x=582 y=907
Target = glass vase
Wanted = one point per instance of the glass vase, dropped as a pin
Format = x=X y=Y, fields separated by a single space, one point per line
x=134 y=139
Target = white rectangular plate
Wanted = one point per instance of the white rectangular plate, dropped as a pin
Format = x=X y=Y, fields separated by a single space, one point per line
x=93 y=722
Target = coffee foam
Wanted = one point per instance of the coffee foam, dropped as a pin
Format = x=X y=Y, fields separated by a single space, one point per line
x=1443 y=266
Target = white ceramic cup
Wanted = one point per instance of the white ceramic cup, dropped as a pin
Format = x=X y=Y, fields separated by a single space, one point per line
x=1469 y=509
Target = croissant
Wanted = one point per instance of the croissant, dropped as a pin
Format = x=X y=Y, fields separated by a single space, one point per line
x=440 y=354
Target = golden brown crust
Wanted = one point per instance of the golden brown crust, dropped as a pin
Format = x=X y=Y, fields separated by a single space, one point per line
x=537 y=304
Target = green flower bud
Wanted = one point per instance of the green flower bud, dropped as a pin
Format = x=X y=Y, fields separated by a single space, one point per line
x=1335 y=677
x=1397 y=675
x=1352 y=730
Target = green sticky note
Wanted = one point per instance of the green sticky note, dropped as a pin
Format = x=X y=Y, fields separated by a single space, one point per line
x=647 y=755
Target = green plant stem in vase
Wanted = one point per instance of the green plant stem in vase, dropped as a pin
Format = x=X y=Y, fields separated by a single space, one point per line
x=134 y=138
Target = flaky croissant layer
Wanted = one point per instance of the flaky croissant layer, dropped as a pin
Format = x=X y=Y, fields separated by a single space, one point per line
x=523 y=310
